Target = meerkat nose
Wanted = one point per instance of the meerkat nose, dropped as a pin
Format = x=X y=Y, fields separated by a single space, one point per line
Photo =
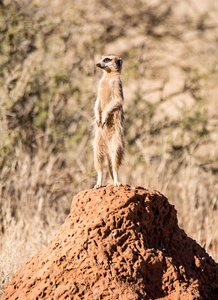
x=98 y=64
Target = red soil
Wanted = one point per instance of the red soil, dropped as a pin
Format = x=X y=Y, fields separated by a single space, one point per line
x=118 y=243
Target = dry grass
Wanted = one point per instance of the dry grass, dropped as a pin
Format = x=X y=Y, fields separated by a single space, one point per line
x=48 y=86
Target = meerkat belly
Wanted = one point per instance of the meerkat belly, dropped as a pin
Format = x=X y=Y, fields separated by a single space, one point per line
x=110 y=122
x=115 y=120
x=113 y=126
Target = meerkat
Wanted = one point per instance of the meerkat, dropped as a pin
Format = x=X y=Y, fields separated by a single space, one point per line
x=109 y=116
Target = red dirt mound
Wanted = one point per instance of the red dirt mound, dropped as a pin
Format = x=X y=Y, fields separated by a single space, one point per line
x=118 y=243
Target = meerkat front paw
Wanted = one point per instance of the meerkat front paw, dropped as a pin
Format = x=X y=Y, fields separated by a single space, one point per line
x=98 y=122
x=103 y=120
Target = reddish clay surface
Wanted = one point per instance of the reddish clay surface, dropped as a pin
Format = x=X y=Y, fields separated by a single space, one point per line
x=118 y=243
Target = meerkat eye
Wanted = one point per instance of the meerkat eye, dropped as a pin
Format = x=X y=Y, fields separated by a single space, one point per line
x=107 y=59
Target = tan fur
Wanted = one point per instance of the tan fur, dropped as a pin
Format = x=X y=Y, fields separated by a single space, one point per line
x=109 y=116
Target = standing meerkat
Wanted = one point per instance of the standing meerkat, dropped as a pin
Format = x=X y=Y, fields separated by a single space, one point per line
x=109 y=116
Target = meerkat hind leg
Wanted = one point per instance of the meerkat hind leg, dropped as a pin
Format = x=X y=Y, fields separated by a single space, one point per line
x=99 y=181
x=110 y=167
x=98 y=159
x=115 y=167
x=116 y=182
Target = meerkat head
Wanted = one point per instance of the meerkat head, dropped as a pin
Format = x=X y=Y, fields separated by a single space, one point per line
x=110 y=63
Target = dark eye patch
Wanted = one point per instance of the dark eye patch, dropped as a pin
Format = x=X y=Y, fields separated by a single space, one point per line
x=107 y=60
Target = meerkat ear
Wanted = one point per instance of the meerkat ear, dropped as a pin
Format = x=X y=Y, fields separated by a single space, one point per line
x=119 y=62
